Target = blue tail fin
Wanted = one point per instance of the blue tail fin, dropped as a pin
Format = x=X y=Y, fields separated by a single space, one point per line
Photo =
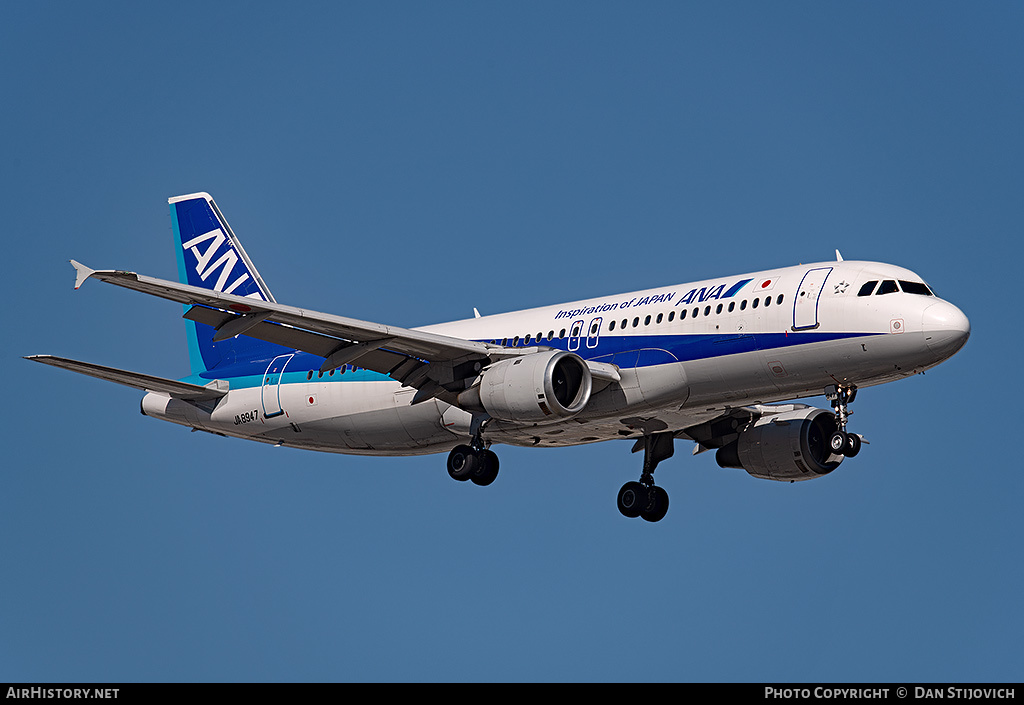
x=210 y=256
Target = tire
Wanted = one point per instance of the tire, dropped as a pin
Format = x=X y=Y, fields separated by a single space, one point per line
x=486 y=468
x=632 y=499
x=837 y=443
x=462 y=461
x=658 y=506
x=852 y=445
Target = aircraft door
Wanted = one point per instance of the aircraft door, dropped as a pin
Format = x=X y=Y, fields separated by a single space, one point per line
x=594 y=332
x=805 y=306
x=270 y=391
x=574 y=335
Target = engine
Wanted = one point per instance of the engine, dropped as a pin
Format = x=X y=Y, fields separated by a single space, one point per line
x=534 y=388
x=787 y=447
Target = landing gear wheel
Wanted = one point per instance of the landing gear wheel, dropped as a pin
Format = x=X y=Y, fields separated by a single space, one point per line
x=852 y=445
x=632 y=499
x=838 y=442
x=486 y=468
x=462 y=462
x=657 y=504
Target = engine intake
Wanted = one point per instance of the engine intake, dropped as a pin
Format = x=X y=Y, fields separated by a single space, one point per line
x=786 y=447
x=534 y=388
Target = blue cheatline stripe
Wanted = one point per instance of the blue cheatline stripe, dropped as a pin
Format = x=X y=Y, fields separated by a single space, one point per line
x=626 y=351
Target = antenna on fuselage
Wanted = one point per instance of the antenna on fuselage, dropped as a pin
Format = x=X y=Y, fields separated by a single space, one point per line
x=839 y=257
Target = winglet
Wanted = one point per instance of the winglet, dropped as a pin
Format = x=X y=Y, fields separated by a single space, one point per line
x=81 y=272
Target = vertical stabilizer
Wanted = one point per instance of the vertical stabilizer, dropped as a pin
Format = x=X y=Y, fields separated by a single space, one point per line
x=211 y=257
x=209 y=254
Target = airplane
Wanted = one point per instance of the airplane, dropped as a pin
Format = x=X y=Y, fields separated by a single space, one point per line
x=720 y=362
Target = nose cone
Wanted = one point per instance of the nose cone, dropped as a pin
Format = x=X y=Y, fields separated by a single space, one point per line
x=946 y=328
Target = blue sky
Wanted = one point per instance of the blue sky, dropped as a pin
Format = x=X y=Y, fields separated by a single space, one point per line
x=405 y=162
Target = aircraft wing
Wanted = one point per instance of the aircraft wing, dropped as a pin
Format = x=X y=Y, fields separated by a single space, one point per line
x=148 y=383
x=431 y=362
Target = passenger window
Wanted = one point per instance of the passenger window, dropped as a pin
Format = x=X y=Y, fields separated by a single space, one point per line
x=695 y=312
x=767 y=301
x=867 y=288
x=647 y=321
x=561 y=334
x=754 y=303
x=887 y=287
x=671 y=316
x=623 y=324
x=682 y=314
x=778 y=301
x=526 y=340
x=515 y=341
x=743 y=305
x=659 y=318
x=718 y=308
x=732 y=306
x=707 y=310
x=611 y=326
x=636 y=322
x=915 y=288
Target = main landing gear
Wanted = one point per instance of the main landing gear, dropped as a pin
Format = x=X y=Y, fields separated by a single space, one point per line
x=644 y=499
x=480 y=466
x=475 y=462
x=841 y=442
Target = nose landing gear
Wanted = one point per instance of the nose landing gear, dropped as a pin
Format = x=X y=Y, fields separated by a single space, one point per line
x=841 y=442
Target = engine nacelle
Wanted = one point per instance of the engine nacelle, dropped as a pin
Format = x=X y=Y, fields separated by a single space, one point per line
x=535 y=388
x=786 y=447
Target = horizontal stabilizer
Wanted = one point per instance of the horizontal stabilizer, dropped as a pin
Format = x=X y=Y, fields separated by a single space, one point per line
x=148 y=383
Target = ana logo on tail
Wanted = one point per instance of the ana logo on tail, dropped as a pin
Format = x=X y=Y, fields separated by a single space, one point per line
x=205 y=263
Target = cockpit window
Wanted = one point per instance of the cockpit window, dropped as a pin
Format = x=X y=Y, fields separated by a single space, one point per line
x=867 y=288
x=887 y=287
x=915 y=288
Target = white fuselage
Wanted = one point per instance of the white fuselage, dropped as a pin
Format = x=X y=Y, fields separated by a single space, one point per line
x=685 y=354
